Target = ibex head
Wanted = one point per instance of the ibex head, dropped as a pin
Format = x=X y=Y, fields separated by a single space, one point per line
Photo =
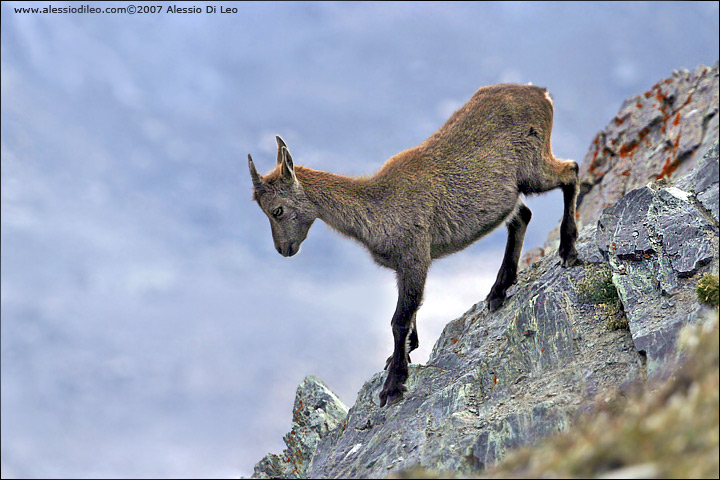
x=283 y=200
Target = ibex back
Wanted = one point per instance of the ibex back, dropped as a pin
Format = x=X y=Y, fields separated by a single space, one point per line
x=433 y=200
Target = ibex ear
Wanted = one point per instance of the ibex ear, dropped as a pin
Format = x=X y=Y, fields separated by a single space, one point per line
x=257 y=182
x=288 y=168
x=281 y=144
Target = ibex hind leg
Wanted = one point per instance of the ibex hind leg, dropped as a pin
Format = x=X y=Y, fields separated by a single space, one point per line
x=508 y=270
x=564 y=174
x=568 y=228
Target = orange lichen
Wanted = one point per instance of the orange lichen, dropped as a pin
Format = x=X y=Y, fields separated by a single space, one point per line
x=662 y=99
x=671 y=163
x=454 y=340
x=669 y=168
x=593 y=163
x=626 y=173
x=627 y=149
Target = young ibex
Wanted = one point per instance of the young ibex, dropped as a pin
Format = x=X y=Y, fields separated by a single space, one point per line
x=433 y=200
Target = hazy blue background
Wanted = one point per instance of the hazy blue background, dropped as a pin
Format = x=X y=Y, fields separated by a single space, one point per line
x=149 y=328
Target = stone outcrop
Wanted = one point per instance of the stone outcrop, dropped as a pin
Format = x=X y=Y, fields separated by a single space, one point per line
x=661 y=133
x=496 y=381
x=656 y=240
x=317 y=411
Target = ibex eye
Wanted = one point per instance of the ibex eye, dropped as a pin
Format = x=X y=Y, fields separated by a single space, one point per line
x=277 y=212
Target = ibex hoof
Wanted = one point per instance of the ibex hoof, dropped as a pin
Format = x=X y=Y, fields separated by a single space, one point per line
x=390 y=395
x=494 y=303
x=570 y=260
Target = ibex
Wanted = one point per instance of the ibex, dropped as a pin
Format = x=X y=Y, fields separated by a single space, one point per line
x=433 y=200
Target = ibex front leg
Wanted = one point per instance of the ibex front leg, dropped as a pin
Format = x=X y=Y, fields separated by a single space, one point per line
x=411 y=283
x=564 y=174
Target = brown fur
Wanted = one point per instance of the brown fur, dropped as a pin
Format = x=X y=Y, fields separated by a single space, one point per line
x=433 y=200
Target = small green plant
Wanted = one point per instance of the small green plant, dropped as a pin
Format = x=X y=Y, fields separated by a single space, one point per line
x=597 y=286
x=707 y=289
x=617 y=322
x=598 y=289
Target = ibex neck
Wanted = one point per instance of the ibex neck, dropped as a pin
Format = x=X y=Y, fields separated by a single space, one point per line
x=344 y=203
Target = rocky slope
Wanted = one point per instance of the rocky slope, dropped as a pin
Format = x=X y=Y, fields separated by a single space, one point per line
x=496 y=381
x=667 y=432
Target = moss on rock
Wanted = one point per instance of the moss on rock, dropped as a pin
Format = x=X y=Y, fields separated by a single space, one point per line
x=598 y=289
x=597 y=286
x=707 y=289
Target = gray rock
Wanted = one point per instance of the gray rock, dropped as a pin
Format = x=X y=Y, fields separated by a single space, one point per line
x=656 y=275
x=709 y=200
x=706 y=182
x=622 y=227
x=316 y=412
x=686 y=236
